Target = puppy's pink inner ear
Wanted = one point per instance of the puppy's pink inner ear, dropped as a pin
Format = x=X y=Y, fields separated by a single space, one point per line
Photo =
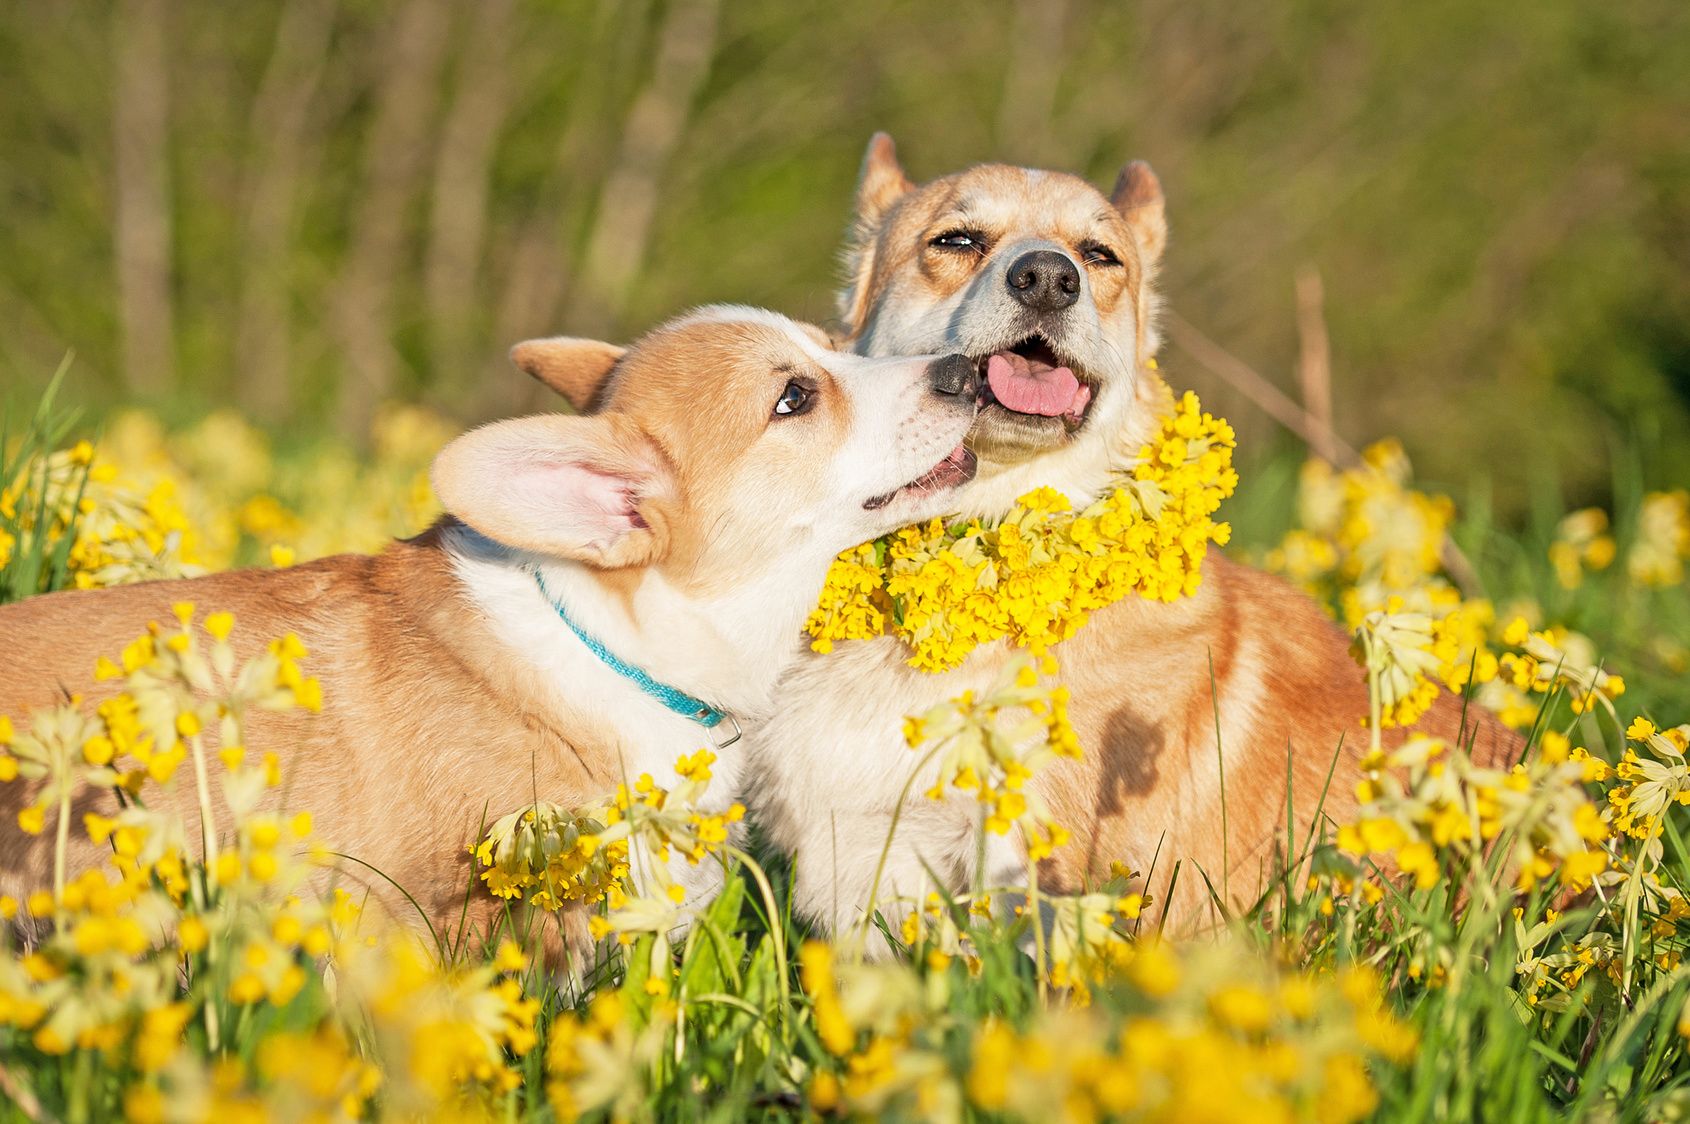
x=598 y=507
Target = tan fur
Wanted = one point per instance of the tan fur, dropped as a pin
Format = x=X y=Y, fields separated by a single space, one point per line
x=1291 y=703
x=1284 y=685
x=1288 y=698
x=453 y=692
x=388 y=781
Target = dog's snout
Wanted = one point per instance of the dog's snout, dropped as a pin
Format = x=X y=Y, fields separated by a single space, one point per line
x=1044 y=280
x=952 y=375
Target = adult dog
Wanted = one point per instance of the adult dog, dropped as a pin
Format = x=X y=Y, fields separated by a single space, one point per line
x=1049 y=287
x=606 y=592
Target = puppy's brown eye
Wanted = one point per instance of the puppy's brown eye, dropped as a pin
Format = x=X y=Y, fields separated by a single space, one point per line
x=794 y=400
x=1096 y=253
x=968 y=241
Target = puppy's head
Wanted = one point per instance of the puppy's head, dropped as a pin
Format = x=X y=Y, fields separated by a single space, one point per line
x=1041 y=280
x=726 y=442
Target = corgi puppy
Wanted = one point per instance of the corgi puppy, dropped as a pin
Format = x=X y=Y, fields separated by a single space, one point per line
x=604 y=591
x=1048 y=286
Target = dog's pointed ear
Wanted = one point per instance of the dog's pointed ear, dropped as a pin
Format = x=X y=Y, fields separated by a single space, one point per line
x=1138 y=196
x=880 y=184
x=575 y=368
x=882 y=180
x=594 y=489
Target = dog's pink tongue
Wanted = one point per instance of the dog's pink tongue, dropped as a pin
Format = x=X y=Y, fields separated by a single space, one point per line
x=1047 y=391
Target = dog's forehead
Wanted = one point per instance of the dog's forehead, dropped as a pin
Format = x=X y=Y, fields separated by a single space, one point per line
x=718 y=341
x=1002 y=196
x=756 y=333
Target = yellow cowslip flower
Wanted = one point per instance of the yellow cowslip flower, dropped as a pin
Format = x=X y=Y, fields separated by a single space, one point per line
x=1662 y=543
x=228 y=868
x=246 y=989
x=549 y=856
x=1154 y=969
x=1652 y=784
x=1582 y=543
x=991 y=746
x=1037 y=575
x=696 y=767
x=1419 y=861
x=815 y=960
x=1426 y=802
x=219 y=625
x=1241 y=1007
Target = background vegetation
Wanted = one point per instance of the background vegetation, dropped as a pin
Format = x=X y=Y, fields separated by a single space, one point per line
x=306 y=207
x=1468 y=225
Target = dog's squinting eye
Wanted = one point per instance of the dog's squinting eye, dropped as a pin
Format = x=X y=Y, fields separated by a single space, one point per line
x=969 y=240
x=795 y=399
x=1096 y=253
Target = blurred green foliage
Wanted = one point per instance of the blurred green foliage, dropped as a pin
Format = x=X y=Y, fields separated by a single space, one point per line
x=306 y=206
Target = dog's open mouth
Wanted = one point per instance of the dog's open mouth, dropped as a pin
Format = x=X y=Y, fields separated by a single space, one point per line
x=957 y=468
x=1031 y=379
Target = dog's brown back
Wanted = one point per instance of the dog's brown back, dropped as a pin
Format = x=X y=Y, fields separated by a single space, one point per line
x=447 y=733
x=1148 y=680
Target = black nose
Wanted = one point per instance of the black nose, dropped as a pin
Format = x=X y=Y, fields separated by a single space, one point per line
x=952 y=375
x=1044 y=280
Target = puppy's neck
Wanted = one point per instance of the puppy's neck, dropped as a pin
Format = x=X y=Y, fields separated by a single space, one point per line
x=725 y=649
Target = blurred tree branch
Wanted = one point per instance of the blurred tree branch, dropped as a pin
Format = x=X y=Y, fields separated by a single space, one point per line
x=278 y=139
x=1245 y=379
x=616 y=249
x=141 y=188
x=1314 y=361
x=463 y=169
x=395 y=153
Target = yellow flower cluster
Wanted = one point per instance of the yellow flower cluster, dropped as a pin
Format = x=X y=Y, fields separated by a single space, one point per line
x=598 y=1059
x=1364 y=528
x=1086 y=944
x=1655 y=557
x=674 y=818
x=1650 y=784
x=156 y=504
x=1662 y=545
x=1207 y=1033
x=1411 y=655
x=991 y=746
x=1372 y=547
x=615 y=853
x=1550 y=972
x=204 y=975
x=108 y=527
x=548 y=856
x=1036 y=575
x=1430 y=810
x=440 y=1031
x=1557 y=658
x=658 y=821
x=180 y=697
x=1581 y=545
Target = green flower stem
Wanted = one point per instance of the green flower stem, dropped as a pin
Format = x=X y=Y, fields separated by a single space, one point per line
x=1375 y=739
x=208 y=825
x=1033 y=905
x=61 y=849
